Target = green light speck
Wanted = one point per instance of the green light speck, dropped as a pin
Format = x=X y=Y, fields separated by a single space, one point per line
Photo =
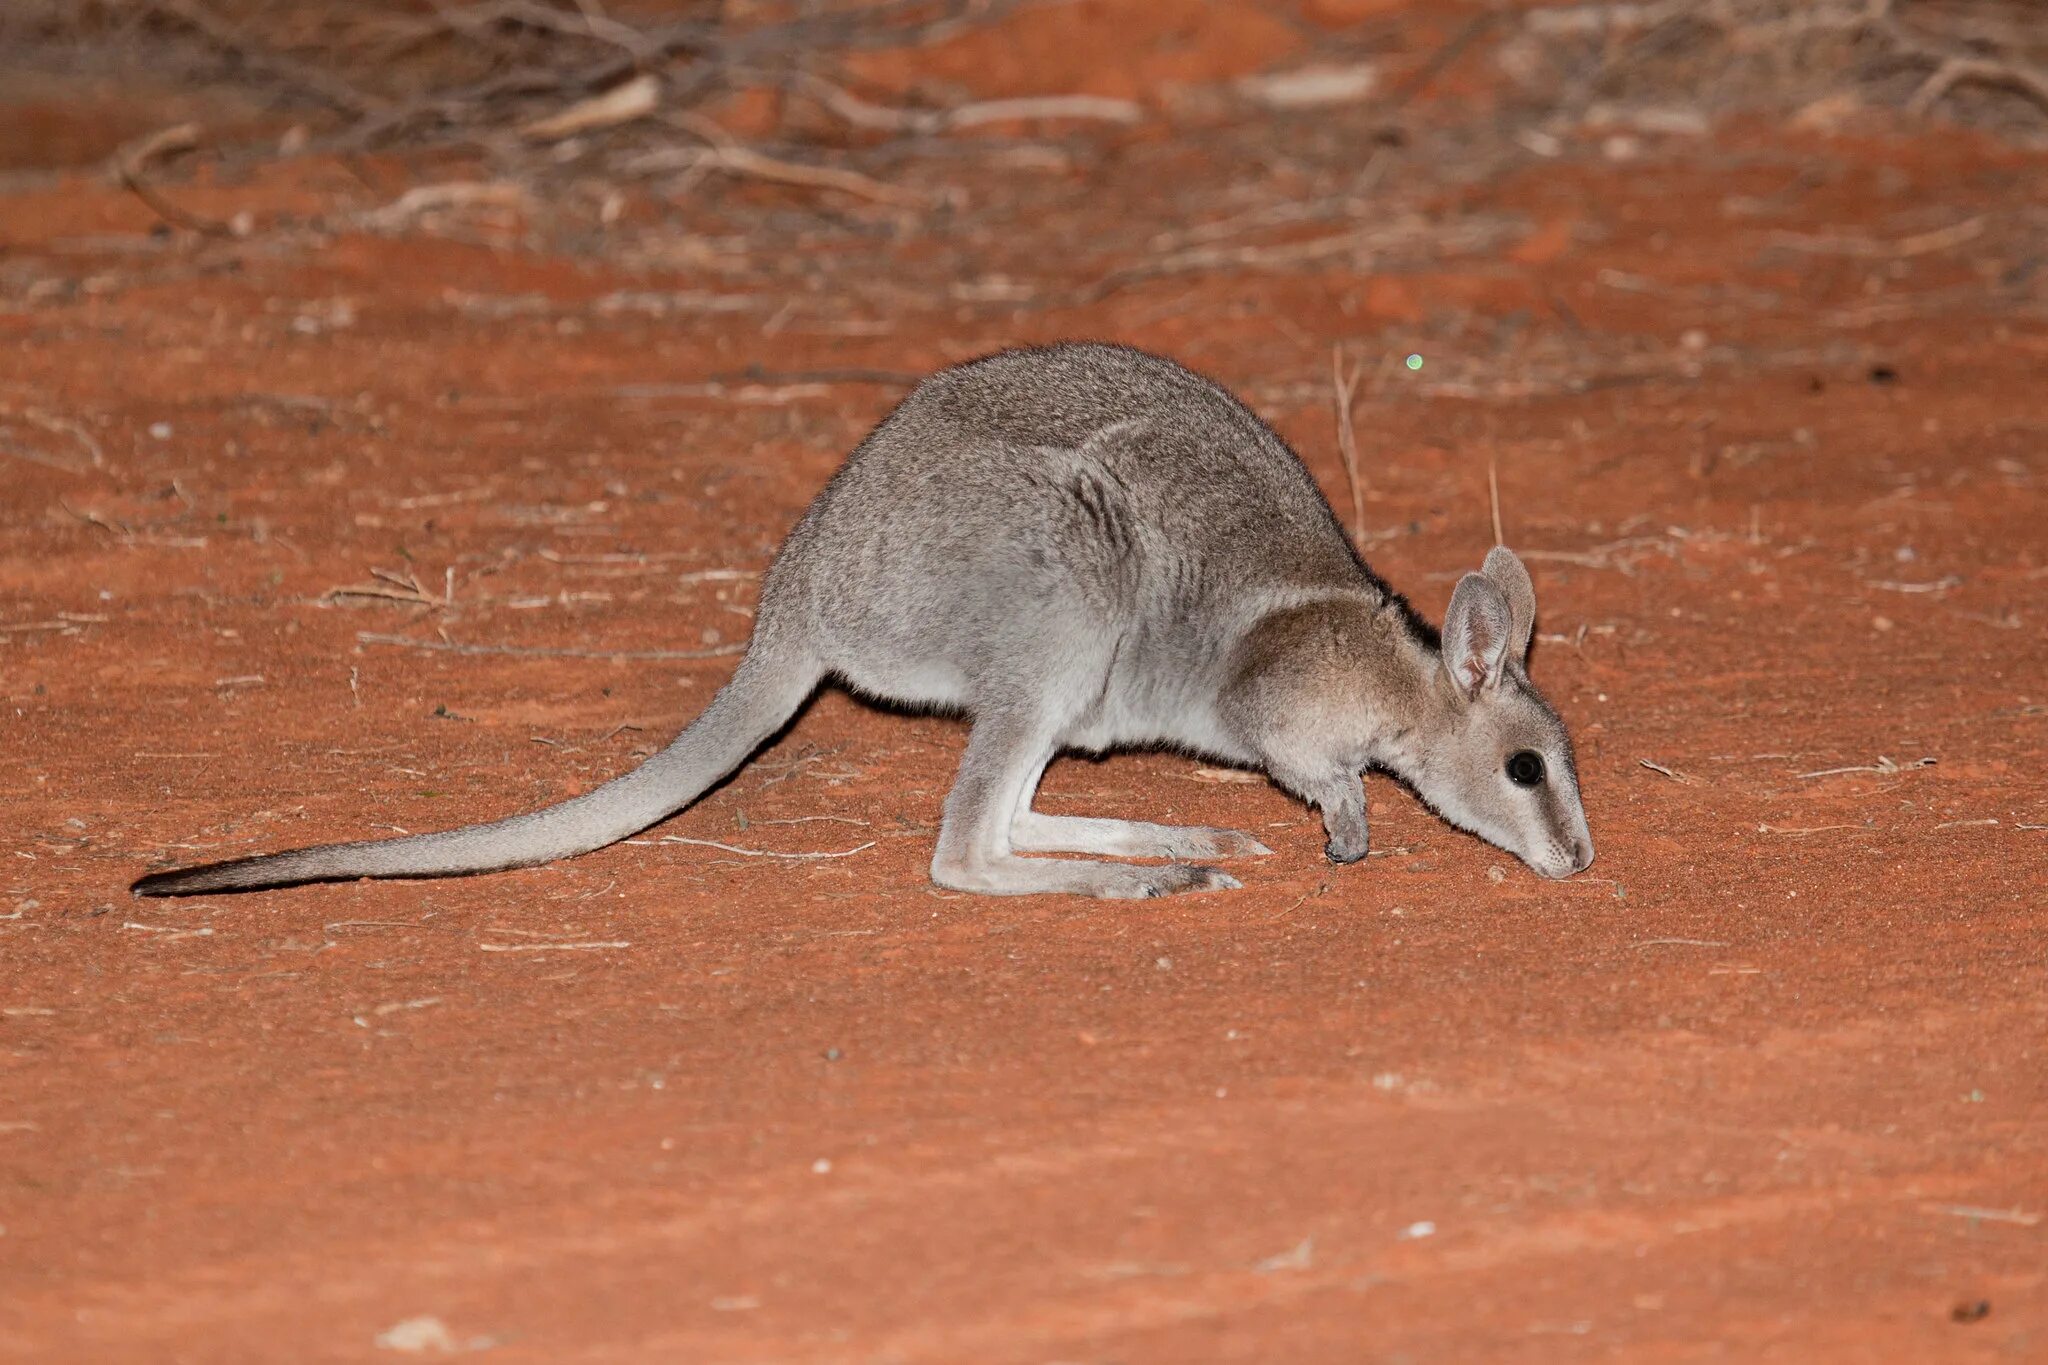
x=1414 y=362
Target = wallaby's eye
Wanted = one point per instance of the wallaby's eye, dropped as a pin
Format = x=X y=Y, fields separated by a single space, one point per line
x=1525 y=768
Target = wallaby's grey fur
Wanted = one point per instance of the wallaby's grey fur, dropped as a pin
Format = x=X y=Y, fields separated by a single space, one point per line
x=1086 y=547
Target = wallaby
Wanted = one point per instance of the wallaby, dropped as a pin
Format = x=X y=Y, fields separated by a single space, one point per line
x=1086 y=547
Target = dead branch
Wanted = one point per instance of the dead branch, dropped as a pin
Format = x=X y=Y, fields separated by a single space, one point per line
x=635 y=99
x=881 y=118
x=225 y=36
x=57 y=426
x=758 y=852
x=528 y=652
x=1345 y=384
x=1971 y=57
x=723 y=152
x=1493 y=498
x=1884 y=765
x=1362 y=243
x=169 y=212
x=1955 y=71
x=129 y=162
x=588 y=22
x=422 y=199
x=716 y=49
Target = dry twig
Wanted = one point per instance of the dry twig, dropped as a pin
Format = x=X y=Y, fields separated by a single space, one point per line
x=527 y=652
x=881 y=118
x=1345 y=384
x=131 y=161
x=219 y=32
x=1493 y=499
x=723 y=152
x=58 y=426
x=635 y=99
x=549 y=947
x=1883 y=765
x=757 y=852
x=395 y=589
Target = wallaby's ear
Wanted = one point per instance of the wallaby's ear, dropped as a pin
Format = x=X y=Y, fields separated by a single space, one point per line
x=1476 y=634
x=1507 y=573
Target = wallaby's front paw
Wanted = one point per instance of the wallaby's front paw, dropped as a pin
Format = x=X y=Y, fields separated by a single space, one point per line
x=1345 y=851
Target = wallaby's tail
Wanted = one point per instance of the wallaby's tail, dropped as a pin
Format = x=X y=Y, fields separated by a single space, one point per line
x=761 y=697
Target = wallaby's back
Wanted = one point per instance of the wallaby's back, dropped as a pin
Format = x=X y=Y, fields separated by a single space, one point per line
x=1074 y=477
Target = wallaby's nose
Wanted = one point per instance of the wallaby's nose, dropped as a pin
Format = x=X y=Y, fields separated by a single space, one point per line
x=1582 y=854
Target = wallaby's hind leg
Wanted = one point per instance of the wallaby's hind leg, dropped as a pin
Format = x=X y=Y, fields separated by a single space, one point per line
x=1005 y=754
x=1037 y=832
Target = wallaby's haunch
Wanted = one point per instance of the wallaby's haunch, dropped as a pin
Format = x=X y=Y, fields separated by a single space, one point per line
x=1086 y=547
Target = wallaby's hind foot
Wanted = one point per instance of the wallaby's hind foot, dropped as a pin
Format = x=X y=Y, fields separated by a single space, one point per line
x=1035 y=832
x=1008 y=875
x=1006 y=752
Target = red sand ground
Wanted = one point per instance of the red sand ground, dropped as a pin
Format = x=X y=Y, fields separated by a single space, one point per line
x=1767 y=1084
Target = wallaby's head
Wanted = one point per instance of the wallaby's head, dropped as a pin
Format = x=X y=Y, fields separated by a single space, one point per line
x=1503 y=767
